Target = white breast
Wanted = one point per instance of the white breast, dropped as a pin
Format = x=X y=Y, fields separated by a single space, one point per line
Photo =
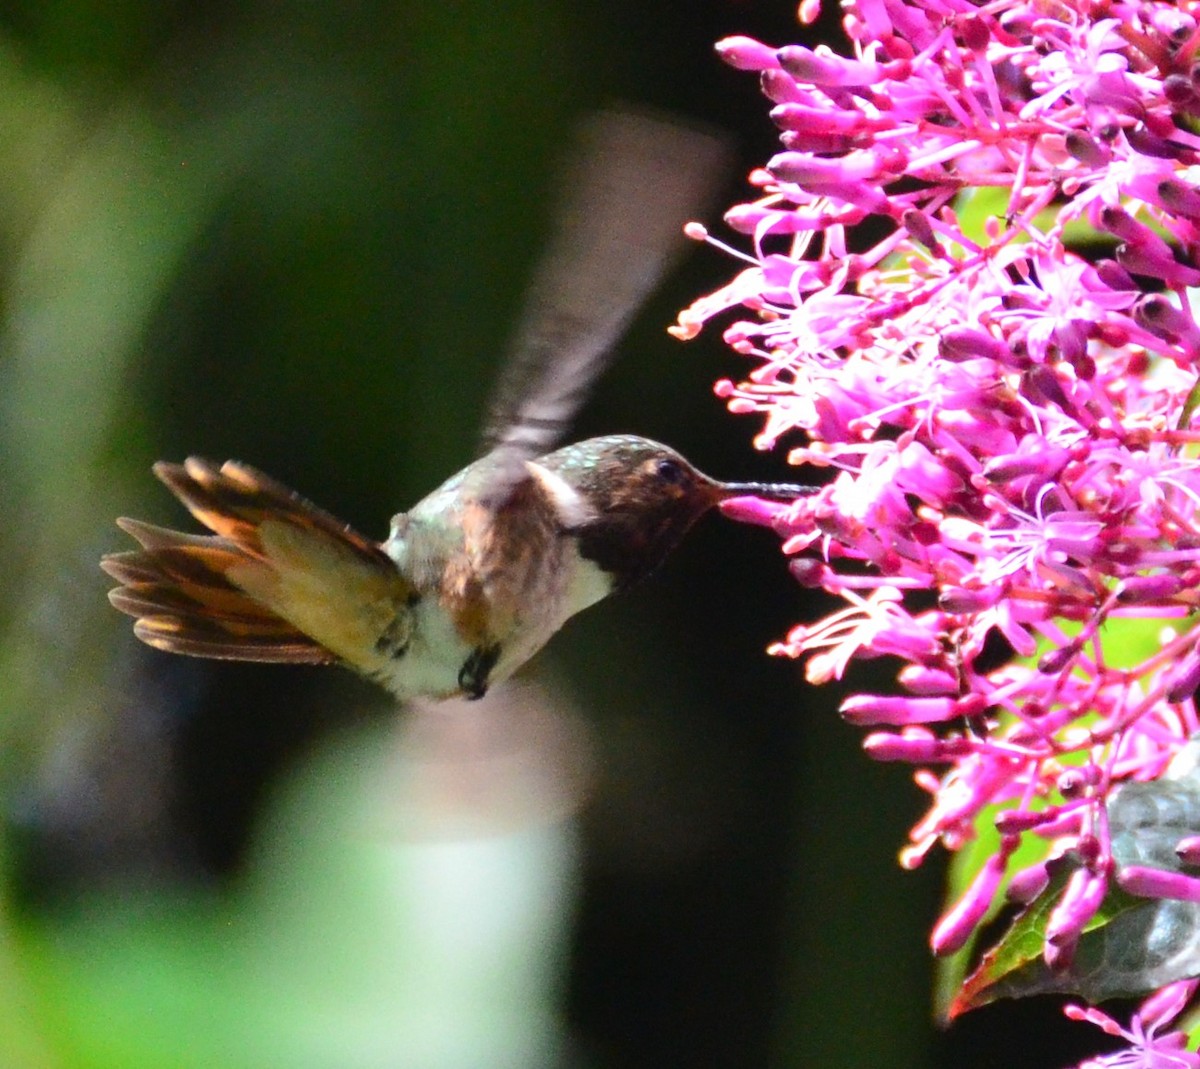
x=435 y=654
x=559 y=585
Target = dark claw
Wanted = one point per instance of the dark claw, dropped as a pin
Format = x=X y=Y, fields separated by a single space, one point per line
x=473 y=675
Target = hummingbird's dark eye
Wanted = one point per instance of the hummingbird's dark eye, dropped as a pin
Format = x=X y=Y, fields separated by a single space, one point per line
x=670 y=471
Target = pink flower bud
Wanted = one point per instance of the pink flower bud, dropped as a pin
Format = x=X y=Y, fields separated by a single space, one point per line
x=914 y=748
x=1045 y=462
x=1087 y=149
x=822 y=120
x=1159 y=315
x=1142 y=589
x=1188 y=851
x=1114 y=276
x=822 y=141
x=753 y=510
x=885 y=709
x=917 y=679
x=1158 y=883
x=1143 y=140
x=1144 y=260
x=1183 y=678
x=1057 y=659
x=823 y=178
x=1180 y=197
x=954 y=929
x=917 y=223
x=966 y=343
x=1025 y=885
x=826 y=68
x=747 y=54
x=1168 y=1002
x=958 y=600
x=1083 y=895
x=780 y=87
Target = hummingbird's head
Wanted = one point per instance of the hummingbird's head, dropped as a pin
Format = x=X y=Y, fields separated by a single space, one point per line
x=640 y=498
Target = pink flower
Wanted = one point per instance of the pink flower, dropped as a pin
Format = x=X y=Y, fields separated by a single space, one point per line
x=1148 y=1047
x=969 y=298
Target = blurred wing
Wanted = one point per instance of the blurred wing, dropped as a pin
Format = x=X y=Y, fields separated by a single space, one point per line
x=630 y=184
x=279 y=580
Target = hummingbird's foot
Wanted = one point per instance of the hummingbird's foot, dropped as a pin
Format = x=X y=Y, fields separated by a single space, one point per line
x=473 y=675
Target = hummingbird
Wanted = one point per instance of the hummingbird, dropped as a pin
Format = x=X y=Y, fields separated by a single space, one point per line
x=476 y=577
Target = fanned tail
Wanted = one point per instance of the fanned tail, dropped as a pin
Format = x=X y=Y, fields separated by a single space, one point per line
x=278 y=580
x=176 y=589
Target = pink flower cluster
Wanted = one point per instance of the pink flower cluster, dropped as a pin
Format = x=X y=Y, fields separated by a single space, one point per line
x=1149 y=1045
x=970 y=276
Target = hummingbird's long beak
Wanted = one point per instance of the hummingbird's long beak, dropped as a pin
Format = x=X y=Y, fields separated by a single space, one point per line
x=772 y=491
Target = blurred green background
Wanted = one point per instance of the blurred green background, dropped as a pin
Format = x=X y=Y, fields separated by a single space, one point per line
x=296 y=233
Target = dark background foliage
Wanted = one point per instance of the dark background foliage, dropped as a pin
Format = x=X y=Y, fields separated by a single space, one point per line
x=296 y=233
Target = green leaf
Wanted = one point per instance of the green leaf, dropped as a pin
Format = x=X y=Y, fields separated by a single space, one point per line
x=1132 y=945
x=951 y=971
x=1014 y=967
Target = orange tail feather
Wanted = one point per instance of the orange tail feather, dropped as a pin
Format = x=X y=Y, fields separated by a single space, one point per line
x=176 y=589
x=279 y=580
